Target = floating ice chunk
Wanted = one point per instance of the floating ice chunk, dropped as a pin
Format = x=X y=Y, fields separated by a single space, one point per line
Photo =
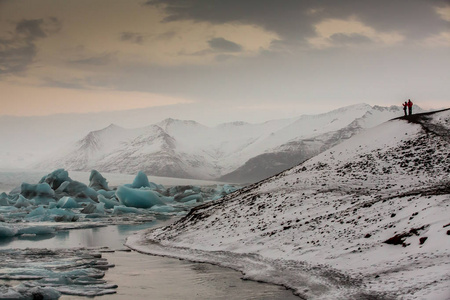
x=107 y=194
x=188 y=197
x=37 y=230
x=44 y=293
x=97 y=181
x=163 y=208
x=67 y=202
x=6 y=231
x=227 y=189
x=22 y=202
x=39 y=211
x=109 y=203
x=141 y=180
x=100 y=208
x=30 y=191
x=80 y=190
x=42 y=200
x=4 y=200
x=119 y=210
x=137 y=198
x=62 y=187
x=53 y=214
x=56 y=178
x=7 y=292
x=94 y=208
x=15 y=191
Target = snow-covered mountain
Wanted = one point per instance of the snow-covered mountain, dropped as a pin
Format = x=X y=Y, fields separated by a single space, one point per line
x=365 y=219
x=234 y=152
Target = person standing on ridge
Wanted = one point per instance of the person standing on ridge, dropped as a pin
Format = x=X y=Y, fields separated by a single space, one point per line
x=405 y=106
x=410 y=104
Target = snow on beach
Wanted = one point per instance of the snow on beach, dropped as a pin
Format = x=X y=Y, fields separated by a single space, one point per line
x=367 y=219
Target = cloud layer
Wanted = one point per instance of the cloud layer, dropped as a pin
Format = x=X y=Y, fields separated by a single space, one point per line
x=254 y=53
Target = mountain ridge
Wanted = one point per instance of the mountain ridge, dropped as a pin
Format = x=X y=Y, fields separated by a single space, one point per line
x=233 y=152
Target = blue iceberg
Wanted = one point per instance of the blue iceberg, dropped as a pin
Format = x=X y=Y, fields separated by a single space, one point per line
x=138 y=198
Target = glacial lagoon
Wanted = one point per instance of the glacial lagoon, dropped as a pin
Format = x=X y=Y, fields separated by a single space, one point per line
x=119 y=272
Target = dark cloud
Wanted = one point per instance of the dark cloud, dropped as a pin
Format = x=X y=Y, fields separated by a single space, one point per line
x=166 y=35
x=345 y=39
x=222 y=45
x=132 y=37
x=96 y=60
x=31 y=28
x=295 y=19
x=15 y=55
x=18 y=51
x=69 y=84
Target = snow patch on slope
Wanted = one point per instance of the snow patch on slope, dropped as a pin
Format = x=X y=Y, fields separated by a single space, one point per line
x=367 y=219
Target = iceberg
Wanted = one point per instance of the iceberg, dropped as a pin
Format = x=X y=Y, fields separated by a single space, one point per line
x=4 y=200
x=50 y=273
x=22 y=202
x=58 y=198
x=67 y=202
x=109 y=203
x=6 y=231
x=30 y=191
x=37 y=230
x=97 y=181
x=119 y=210
x=188 y=197
x=138 y=198
x=107 y=194
x=56 y=178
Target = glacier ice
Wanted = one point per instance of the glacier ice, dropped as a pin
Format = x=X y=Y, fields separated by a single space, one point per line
x=97 y=181
x=138 y=198
x=187 y=197
x=119 y=210
x=141 y=180
x=56 y=178
x=7 y=231
x=37 y=230
x=30 y=191
x=22 y=202
x=67 y=202
x=109 y=203
x=58 y=198
x=46 y=274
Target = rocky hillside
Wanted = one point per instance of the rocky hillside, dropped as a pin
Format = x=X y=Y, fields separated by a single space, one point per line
x=366 y=219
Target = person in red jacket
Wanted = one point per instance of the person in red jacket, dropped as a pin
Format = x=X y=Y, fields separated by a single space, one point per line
x=405 y=106
x=410 y=104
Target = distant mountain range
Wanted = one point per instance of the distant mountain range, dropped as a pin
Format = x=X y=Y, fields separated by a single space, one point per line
x=232 y=152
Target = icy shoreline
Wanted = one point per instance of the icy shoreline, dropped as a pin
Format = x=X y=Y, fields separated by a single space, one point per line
x=304 y=279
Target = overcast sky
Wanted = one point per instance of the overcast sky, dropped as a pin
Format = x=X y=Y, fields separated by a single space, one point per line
x=271 y=58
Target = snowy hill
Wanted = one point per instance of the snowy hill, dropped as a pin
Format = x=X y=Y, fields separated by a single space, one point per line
x=366 y=219
x=234 y=152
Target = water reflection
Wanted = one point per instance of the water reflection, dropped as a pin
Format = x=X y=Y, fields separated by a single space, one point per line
x=108 y=236
x=142 y=276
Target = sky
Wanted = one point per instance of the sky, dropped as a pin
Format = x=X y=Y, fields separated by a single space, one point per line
x=248 y=59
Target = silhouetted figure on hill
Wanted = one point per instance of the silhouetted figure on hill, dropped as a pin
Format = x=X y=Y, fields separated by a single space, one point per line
x=410 y=104
x=405 y=106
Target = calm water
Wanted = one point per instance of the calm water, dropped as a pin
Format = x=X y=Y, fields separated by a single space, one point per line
x=142 y=276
